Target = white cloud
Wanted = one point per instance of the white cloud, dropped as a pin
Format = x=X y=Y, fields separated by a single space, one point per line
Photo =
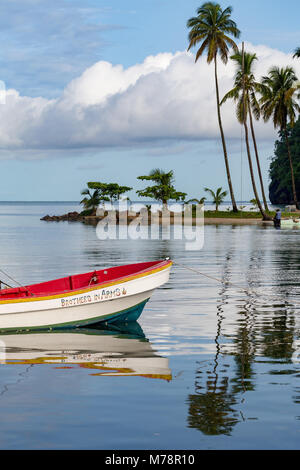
x=103 y=80
x=167 y=97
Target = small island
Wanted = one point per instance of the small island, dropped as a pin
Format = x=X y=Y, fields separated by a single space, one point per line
x=97 y=196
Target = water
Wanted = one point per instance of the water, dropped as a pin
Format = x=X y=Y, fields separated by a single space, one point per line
x=209 y=366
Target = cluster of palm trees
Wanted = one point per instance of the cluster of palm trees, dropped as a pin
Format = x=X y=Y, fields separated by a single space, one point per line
x=273 y=97
x=161 y=189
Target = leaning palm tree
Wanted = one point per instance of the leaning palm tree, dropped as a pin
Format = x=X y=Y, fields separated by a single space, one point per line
x=211 y=29
x=279 y=89
x=245 y=82
x=91 y=200
x=217 y=197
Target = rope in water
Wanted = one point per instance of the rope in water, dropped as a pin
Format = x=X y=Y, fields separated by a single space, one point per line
x=214 y=278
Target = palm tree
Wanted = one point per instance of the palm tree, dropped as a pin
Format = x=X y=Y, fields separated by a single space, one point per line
x=245 y=82
x=297 y=53
x=278 y=91
x=91 y=200
x=163 y=190
x=211 y=29
x=254 y=203
x=218 y=196
x=198 y=201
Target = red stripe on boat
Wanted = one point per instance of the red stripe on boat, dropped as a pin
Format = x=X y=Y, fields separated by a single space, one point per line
x=82 y=281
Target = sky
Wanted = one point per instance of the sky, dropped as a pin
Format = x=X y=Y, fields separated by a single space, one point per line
x=100 y=90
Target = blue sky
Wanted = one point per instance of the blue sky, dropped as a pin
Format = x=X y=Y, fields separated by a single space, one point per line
x=48 y=43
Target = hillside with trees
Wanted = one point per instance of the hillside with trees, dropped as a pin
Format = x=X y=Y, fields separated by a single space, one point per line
x=280 y=189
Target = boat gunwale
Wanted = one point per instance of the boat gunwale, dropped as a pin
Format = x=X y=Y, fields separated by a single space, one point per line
x=157 y=267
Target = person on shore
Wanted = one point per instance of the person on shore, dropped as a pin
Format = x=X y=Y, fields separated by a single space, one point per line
x=277 y=218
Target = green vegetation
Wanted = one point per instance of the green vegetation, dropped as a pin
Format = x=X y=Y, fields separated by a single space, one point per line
x=242 y=214
x=92 y=199
x=280 y=176
x=211 y=29
x=244 y=93
x=102 y=192
x=232 y=215
x=163 y=190
x=109 y=191
x=254 y=203
x=197 y=201
x=218 y=196
x=297 y=53
x=274 y=97
x=279 y=89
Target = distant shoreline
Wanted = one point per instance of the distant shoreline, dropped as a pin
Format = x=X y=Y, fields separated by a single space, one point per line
x=220 y=218
x=235 y=221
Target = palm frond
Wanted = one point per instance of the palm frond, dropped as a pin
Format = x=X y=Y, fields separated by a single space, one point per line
x=297 y=53
x=278 y=90
x=232 y=94
x=213 y=26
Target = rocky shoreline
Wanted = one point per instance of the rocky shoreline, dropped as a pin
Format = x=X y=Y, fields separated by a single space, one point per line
x=70 y=216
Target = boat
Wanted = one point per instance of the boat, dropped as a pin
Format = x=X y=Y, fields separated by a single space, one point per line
x=102 y=352
x=290 y=222
x=116 y=294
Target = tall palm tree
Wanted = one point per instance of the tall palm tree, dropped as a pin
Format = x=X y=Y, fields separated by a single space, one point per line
x=211 y=29
x=244 y=93
x=218 y=196
x=245 y=82
x=279 y=89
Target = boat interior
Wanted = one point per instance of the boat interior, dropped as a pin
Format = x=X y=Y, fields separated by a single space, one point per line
x=78 y=281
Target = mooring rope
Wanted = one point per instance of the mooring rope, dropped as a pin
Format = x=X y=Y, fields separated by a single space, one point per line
x=5 y=284
x=247 y=290
x=12 y=279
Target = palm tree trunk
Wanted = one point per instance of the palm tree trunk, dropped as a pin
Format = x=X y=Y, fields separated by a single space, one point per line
x=264 y=215
x=234 y=206
x=257 y=159
x=291 y=167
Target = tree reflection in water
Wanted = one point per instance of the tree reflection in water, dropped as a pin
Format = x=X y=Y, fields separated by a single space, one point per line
x=212 y=407
x=264 y=332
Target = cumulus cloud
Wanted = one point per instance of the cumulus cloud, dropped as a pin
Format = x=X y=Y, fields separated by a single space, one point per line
x=166 y=98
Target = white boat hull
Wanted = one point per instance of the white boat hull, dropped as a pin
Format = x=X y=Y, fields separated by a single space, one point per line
x=289 y=223
x=105 y=303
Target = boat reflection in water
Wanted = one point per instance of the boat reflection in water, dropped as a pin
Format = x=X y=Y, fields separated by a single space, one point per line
x=120 y=350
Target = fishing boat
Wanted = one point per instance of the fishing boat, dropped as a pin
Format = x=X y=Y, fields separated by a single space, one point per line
x=109 y=295
x=290 y=222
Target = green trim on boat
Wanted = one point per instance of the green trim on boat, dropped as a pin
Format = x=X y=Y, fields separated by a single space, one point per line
x=122 y=315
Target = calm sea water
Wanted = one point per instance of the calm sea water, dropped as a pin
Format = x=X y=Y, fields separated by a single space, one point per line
x=208 y=366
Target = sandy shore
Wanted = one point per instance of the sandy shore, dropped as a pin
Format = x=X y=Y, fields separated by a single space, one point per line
x=207 y=221
x=146 y=219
